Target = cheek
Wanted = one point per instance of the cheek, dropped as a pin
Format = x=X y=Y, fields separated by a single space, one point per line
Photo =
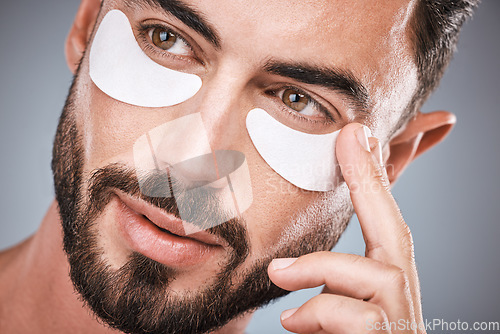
x=292 y=170
x=111 y=128
x=276 y=202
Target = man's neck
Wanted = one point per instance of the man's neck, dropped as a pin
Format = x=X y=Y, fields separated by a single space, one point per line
x=36 y=293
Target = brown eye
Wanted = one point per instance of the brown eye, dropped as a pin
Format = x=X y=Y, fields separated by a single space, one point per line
x=295 y=100
x=164 y=39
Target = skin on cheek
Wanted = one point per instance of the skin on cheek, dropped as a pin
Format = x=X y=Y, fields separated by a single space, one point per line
x=319 y=223
x=112 y=129
x=283 y=214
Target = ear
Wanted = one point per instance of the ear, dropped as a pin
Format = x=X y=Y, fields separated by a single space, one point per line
x=420 y=134
x=80 y=31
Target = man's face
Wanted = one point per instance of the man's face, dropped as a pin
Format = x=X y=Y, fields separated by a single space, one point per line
x=314 y=65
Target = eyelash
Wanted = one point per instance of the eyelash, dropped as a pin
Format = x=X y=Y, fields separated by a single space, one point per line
x=298 y=116
x=143 y=31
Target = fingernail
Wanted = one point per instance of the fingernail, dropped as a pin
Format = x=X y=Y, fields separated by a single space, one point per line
x=282 y=263
x=377 y=153
x=362 y=134
x=288 y=313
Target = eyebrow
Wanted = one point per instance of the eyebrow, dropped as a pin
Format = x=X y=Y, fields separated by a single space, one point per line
x=340 y=81
x=187 y=15
x=337 y=80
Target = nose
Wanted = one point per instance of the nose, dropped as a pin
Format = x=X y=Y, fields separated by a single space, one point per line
x=219 y=134
x=223 y=102
x=201 y=150
x=202 y=146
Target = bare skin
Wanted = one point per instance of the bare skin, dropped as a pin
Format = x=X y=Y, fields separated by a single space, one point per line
x=36 y=294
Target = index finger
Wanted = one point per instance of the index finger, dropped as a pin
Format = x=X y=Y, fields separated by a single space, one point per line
x=387 y=237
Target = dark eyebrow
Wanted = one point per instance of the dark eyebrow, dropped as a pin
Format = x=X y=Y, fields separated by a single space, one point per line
x=187 y=15
x=341 y=81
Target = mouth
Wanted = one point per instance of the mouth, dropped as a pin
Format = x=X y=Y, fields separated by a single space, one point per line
x=162 y=236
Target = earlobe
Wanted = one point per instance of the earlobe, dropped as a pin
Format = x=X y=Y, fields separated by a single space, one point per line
x=420 y=134
x=80 y=32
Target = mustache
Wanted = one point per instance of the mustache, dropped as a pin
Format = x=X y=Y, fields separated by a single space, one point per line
x=201 y=207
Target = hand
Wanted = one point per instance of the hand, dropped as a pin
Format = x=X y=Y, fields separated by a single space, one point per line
x=360 y=293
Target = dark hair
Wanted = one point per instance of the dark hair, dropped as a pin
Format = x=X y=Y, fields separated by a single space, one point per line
x=436 y=27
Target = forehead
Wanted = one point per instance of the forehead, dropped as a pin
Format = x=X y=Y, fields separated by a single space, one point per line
x=360 y=23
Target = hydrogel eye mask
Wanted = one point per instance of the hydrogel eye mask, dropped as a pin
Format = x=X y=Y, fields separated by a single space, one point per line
x=307 y=161
x=120 y=68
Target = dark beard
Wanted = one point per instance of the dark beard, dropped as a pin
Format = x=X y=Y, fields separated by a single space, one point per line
x=136 y=297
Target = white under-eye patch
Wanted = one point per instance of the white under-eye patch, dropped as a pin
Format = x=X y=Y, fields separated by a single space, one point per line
x=120 y=68
x=307 y=161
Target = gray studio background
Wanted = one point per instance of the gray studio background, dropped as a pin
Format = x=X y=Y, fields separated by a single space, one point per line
x=449 y=196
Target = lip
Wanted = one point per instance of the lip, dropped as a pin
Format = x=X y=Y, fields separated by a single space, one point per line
x=160 y=235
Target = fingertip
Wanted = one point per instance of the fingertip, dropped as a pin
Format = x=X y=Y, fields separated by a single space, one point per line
x=288 y=321
x=282 y=263
x=287 y=314
x=271 y=272
x=276 y=270
x=348 y=131
x=347 y=143
x=300 y=320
